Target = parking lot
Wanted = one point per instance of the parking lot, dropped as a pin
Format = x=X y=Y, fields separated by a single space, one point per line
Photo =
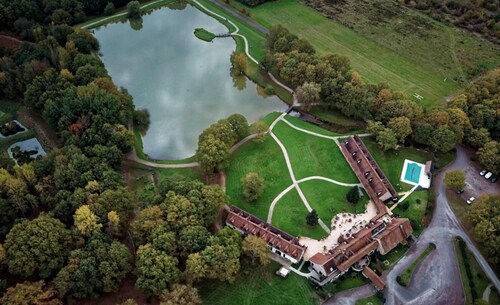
x=477 y=185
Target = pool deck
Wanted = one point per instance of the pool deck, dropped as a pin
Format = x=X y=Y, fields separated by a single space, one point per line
x=424 y=181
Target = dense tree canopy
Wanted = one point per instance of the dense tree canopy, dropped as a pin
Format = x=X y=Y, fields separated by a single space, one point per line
x=37 y=248
x=485 y=225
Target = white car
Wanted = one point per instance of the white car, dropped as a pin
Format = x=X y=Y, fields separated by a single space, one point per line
x=470 y=200
x=483 y=172
x=488 y=175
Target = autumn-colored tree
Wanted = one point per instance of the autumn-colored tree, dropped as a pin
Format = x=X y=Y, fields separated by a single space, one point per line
x=256 y=248
x=180 y=295
x=239 y=61
x=260 y=130
x=145 y=222
x=113 y=223
x=455 y=179
x=401 y=126
x=28 y=293
x=86 y=221
x=309 y=93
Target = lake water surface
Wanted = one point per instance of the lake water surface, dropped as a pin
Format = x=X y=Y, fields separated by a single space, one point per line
x=184 y=82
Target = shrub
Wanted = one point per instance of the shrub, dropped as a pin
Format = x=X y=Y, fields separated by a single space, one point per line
x=269 y=90
x=134 y=9
x=353 y=195
x=109 y=9
x=414 y=225
x=403 y=206
x=312 y=218
x=253 y=186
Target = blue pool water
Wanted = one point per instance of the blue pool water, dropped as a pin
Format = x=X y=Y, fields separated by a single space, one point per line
x=413 y=172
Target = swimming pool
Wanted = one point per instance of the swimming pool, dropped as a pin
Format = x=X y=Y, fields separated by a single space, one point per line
x=413 y=172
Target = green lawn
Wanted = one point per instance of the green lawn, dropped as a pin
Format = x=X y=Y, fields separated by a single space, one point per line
x=259 y=286
x=329 y=199
x=204 y=34
x=391 y=162
x=416 y=211
x=373 y=300
x=290 y=216
x=265 y=159
x=474 y=280
x=314 y=156
x=415 y=69
x=405 y=277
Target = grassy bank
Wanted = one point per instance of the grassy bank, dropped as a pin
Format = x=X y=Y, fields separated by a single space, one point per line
x=204 y=34
x=405 y=277
x=259 y=285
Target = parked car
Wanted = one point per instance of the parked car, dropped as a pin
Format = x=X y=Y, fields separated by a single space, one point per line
x=494 y=179
x=488 y=175
x=483 y=172
x=460 y=191
x=470 y=200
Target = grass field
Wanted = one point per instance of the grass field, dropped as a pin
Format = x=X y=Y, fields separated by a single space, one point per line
x=414 y=69
x=405 y=277
x=329 y=199
x=259 y=286
x=416 y=211
x=265 y=159
x=290 y=216
x=475 y=281
x=314 y=156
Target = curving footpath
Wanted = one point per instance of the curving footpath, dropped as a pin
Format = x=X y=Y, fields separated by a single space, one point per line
x=295 y=182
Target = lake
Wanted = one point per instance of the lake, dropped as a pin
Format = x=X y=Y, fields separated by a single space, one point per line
x=184 y=82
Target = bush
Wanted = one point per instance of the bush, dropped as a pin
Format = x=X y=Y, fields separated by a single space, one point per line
x=134 y=9
x=269 y=90
x=109 y=9
x=253 y=186
x=312 y=218
x=414 y=225
x=403 y=206
x=353 y=195
x=418 y=201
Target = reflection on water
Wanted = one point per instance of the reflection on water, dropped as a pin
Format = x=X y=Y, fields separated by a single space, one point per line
x=184 y=82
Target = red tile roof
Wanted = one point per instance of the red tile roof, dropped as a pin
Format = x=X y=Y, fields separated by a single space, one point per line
x=274 y=237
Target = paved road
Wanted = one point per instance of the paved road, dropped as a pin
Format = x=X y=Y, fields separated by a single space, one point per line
x=243 y=19
x=437 y=279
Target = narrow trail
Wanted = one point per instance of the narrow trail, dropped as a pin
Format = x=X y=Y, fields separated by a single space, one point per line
x=453 y=51
x=295 y=182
